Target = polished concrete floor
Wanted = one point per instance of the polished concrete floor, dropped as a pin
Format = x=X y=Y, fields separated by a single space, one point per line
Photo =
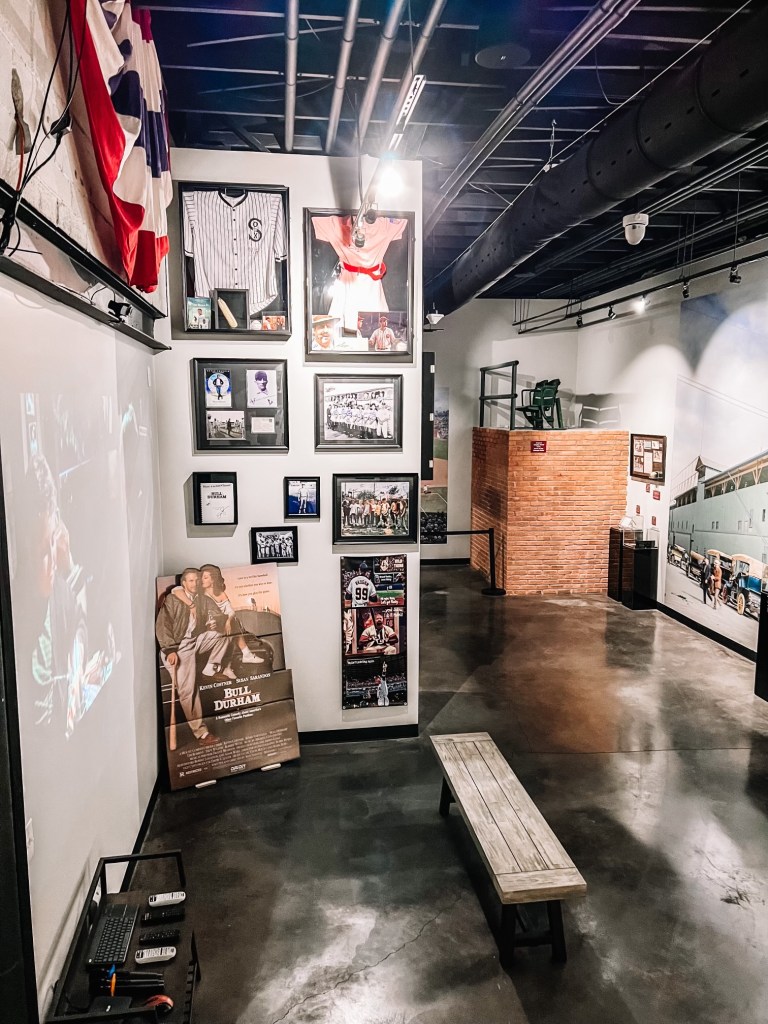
x=331 y=890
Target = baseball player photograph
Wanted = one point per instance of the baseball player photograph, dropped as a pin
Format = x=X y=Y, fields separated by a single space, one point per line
x=261 y=389
x=198 y=314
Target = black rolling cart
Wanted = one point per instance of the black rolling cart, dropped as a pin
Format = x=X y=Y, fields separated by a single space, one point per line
x=79 y=995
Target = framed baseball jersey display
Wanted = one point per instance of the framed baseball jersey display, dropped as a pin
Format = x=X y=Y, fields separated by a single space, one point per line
x=240 y=404
x=375 y=507
x=214 y=499
x=235 y=255
x=359 y=286
x=356 y=413
x=374 y=636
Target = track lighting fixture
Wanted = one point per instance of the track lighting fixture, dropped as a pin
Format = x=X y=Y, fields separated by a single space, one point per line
x=735 y=277
x=579 y=320
x=611 y=313
x=686 y=290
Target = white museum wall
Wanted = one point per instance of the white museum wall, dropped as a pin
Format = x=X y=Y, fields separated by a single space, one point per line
x=481 y=334
x=78 y=396
x=310 y=591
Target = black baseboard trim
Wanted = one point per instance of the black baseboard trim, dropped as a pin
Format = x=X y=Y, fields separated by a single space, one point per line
x=724 y=641
x=389 y=732
x=141 y=835
x=445 y=561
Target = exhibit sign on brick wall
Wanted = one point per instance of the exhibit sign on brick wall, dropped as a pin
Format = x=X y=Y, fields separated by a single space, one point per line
x=374 y=631
x=434 y=491
x=717 y=553
x=227 y=696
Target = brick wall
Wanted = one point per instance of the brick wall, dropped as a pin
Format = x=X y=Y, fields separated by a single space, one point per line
x=68 y=191
x=551 y=512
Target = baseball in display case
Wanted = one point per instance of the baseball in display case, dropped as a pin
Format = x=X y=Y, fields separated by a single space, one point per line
x=235 y=255
x=240 y=404
x=359 y=286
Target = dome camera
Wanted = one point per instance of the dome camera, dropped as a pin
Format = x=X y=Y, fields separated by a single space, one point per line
x=634 y=227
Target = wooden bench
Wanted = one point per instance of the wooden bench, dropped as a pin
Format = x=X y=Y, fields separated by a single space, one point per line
x=526 y=862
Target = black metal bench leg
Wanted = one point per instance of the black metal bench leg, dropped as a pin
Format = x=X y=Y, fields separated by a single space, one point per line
x=555 y=912
x=507 y=934
x=446 y=799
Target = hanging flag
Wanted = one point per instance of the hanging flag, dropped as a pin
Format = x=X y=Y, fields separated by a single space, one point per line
x=125 y=97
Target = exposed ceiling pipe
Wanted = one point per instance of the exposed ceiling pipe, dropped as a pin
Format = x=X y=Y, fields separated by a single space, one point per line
x=425 y=37
x=683 y=117
x=347 y=42
x=388 y=35
x=291 y=61
x=601 y=20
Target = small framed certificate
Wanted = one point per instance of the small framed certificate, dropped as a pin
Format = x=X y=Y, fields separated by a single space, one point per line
x=215 y=499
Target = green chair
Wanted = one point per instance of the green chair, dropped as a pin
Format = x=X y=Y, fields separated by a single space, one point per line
x=543 y=406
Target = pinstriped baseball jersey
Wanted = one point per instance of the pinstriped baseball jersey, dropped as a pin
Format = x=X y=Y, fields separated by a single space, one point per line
x=234 y=242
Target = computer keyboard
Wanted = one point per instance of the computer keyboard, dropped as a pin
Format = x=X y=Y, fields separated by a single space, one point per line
x=112 y=935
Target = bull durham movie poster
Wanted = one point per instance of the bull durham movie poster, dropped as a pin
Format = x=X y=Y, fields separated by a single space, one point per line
x=227 y=696
x=374 y=632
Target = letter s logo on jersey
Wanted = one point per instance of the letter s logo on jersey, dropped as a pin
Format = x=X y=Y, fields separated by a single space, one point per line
x=254 y=229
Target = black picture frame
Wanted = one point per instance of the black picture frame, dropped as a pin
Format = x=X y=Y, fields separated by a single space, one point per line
x=327 y=337
x=271 y=536
x=641 y=446
x=292 y=501
x=206 y=488
x=235 y=414
x=351 y=412
x=379 y=485
x=275 y=318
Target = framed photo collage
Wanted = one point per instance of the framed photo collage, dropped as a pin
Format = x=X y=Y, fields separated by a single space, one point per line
x=359 y=297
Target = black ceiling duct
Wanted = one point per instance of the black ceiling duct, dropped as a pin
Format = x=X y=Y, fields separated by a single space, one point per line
x=685 y=116
x=503 y=42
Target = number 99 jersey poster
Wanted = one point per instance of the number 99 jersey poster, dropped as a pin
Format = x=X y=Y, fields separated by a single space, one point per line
x=374 y=632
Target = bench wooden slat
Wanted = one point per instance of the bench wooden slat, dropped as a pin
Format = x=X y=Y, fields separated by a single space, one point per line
x=536 y=826
x=490 y=842
x=504 y=813
x=533 y=886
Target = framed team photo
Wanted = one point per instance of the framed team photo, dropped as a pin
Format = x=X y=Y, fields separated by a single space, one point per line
x=302 y=497
x=274 y=544
x=354 y=413
x=240 y=404
x=383 y=508
x=359 y=302
x=235 y=258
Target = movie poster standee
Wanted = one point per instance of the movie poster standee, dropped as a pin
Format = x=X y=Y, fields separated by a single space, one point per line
x=374 y=632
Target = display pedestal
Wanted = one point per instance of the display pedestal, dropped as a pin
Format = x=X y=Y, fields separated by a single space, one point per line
x=761 y=669
x=618 y=581
x=640 y=570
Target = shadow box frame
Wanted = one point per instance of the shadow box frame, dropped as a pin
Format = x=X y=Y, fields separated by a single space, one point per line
x=201 y=368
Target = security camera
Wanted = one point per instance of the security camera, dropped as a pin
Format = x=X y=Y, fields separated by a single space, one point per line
x=634 y=227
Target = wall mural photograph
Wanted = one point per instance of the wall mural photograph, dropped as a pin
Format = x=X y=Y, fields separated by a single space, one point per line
x=717 y=548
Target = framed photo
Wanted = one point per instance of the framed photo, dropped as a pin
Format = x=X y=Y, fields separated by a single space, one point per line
x=274 y=544
x=198 y=313
x=244 y=278
x=354 y=413
x=359 y=290
x=214 y=499
x=302 y=497
x=648 y=457
x=240 y=404
x=379 y=508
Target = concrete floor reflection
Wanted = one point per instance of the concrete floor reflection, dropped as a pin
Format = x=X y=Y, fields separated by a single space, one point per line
x=331 y=891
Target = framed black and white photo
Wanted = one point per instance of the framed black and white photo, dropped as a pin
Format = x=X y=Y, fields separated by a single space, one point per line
x=302 y=497
x=274 y=544
x=214 y=499
x=359 y=286
x=383 y=508
x=240 y=404
x=235 y=257
x=356 y=413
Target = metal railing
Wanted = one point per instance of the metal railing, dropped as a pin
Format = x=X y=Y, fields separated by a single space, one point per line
x=507 y=371
x=493 y=590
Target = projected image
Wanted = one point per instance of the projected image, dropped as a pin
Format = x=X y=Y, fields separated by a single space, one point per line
x=74 y=651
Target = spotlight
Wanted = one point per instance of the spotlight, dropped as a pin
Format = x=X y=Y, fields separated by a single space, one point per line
x=579 y=320
x=686 y=290
x=390 y=183
x=641 y=304
x=611 y=313
x=370 y=215
x=634 y=225
x=735 y=277
x=434 y=317
x=119 y=310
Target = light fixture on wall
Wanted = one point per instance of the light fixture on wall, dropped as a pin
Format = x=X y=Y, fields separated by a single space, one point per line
x=641 y=304
x=686 y=289
x=735 y=277
x=611 y=313
x=579 y=320
x=119 y=310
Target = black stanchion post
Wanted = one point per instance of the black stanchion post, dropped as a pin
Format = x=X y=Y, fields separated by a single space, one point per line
x=493 y=590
